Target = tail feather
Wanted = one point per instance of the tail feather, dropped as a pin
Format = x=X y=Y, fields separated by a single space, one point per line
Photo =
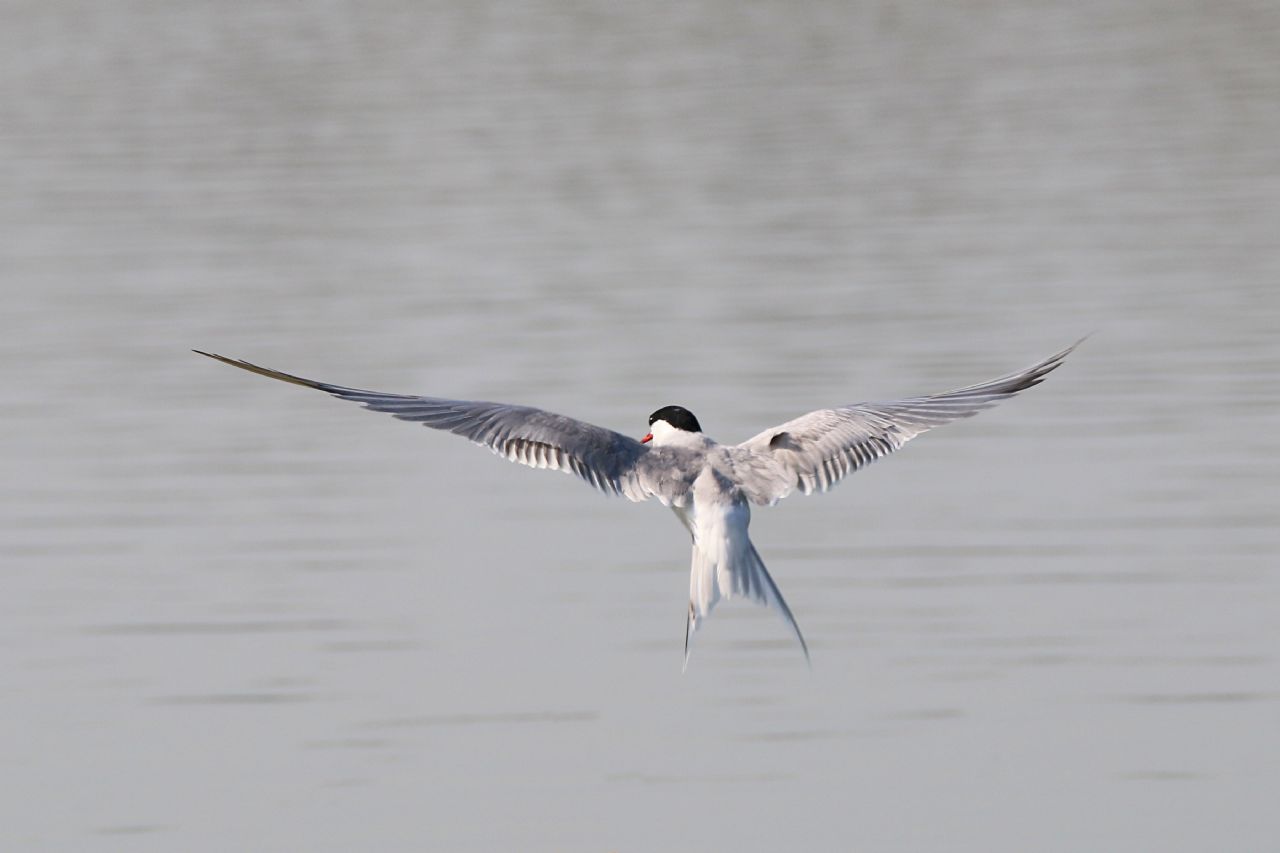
x=741 y=573
x=773 y=598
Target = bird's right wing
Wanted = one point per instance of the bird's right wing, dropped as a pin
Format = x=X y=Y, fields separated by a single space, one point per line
x=815 y=451
x=539 y=439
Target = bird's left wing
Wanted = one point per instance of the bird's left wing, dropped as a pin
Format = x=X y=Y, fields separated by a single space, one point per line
x=815 y=451
x=534 y=437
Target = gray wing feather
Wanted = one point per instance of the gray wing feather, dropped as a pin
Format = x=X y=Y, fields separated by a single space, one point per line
x=816 y=451
x=534 y=437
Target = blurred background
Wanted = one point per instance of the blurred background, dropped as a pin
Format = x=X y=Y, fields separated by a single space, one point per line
x=241 y=615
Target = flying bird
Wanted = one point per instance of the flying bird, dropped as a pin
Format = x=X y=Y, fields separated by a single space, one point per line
x=711 y=487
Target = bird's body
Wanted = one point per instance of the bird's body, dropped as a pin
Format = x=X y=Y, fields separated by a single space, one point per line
x=710 y=486
x=703 y=486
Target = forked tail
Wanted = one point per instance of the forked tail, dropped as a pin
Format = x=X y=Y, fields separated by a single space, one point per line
x=740 y=572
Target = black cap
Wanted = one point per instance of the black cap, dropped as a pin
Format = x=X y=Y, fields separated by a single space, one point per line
x=678 y=416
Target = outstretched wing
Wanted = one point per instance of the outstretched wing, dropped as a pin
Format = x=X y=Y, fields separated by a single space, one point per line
x=817 y=450
x=530 y=436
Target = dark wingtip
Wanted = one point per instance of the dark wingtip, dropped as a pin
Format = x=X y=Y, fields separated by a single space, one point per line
x=265 y=371
x=216 y=357
x=1052 y=363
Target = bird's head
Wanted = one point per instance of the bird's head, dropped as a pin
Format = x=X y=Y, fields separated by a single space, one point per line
x=668 y=422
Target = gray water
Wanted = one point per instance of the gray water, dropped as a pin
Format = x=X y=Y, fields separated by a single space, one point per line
x=238 y=615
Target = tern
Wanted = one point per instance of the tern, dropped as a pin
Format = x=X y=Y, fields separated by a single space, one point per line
x=711 y=487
